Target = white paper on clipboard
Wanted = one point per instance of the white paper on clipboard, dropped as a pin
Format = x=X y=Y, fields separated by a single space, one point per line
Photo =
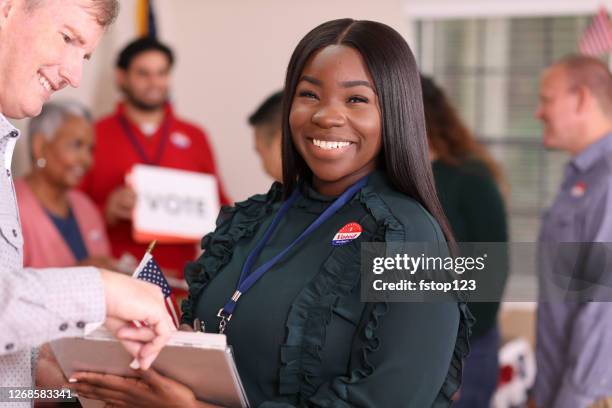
x=201 y=361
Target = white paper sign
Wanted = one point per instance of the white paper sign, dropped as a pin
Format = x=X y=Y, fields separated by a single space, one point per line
x=173 y=205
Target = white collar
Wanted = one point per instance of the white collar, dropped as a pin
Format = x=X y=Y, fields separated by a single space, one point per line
x=6 y=128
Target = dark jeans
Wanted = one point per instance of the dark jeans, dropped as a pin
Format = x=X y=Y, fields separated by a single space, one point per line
x=480 y=371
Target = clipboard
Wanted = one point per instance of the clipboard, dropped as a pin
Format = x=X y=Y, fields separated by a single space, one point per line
x=201 y=361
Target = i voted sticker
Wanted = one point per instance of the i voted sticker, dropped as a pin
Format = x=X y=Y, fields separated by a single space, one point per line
x=348 y=233
x=95 y=235
x=180 y=140
x=579 y=189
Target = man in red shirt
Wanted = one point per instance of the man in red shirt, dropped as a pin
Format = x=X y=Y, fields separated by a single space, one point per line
x=144 y=129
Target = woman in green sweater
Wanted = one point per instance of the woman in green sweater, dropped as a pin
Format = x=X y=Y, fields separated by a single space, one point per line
x=356 y=170
x=469 y=183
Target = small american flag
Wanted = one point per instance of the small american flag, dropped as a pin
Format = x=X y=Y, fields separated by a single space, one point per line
x=597 y=37
x=149 y=271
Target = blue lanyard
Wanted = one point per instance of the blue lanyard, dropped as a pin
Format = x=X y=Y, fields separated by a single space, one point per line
x=138 y=147
x=248 y=277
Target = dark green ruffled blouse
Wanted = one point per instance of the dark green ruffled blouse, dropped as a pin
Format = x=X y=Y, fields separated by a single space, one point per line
x=301 y=336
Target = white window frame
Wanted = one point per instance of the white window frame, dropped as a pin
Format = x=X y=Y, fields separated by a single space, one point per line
x=455 y=9
x=415 y=10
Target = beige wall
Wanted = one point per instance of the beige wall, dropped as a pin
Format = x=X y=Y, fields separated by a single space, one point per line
x=231 y=55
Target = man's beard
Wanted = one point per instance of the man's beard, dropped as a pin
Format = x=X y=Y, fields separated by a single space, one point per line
x=142 y=105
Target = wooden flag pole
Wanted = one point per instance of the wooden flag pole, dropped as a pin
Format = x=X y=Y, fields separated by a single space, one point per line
x=144 y=259
x=151 y=247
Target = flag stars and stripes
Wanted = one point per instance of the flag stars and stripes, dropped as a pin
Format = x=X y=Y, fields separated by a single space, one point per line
x=597 y=37
x=152 y=273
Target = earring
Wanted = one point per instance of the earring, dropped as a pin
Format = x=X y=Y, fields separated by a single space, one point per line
x=41 y=163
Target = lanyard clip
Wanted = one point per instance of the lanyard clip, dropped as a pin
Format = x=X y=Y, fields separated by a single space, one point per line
x=225 y=318
x=198 y=326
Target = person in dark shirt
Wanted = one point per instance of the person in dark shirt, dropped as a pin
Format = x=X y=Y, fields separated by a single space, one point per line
x=470 y=186
x=267 y=122
x=355 y=164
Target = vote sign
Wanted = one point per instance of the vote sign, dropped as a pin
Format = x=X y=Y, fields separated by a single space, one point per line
x=172 y=206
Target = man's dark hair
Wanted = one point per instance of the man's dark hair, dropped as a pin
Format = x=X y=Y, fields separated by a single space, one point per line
x=139 y=46
x=269 y=112
x=405 y=152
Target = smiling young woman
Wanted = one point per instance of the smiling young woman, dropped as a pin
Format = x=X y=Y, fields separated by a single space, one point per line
x=285 y=266
x=335 y=119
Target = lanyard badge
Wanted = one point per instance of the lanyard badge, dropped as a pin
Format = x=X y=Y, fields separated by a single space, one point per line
x=139 y=148
x=248 y=277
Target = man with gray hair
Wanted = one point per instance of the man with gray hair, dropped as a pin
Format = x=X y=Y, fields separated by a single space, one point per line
x=43 y=44
x=574 y=338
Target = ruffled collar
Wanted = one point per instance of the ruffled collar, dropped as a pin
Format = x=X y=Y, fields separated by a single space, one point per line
x=309 y=193
x=315 y=202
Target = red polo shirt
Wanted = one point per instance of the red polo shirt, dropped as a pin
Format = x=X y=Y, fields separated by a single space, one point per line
x=186 y=148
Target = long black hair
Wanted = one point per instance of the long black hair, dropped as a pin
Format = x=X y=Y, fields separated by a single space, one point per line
x=449 y=137
x=404 y=153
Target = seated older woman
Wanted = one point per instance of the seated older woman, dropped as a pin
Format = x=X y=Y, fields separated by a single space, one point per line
x=61 y=226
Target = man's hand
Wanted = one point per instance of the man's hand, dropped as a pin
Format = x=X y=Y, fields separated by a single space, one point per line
x=602 y=403
x=119 y=205
x=129 y=299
